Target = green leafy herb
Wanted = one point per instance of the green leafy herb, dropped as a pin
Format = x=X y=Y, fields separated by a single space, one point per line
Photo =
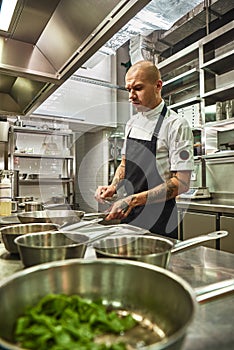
x=61 y=322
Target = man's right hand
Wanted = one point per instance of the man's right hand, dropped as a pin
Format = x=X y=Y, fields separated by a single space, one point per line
x=104 y=192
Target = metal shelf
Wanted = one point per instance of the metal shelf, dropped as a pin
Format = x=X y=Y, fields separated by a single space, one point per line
x=220 y=94
x=44 y=181
x=185 y=103
x=190 y=75
x=41 y=131
x=44 y=156
x=221 y=64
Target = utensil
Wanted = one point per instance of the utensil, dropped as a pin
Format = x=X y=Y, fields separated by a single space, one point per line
x=9 y=233
x=59 y=217
x=41 y=247
x=164 y=315
x=148 y=248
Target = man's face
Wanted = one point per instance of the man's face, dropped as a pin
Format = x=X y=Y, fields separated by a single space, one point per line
x=143 y=94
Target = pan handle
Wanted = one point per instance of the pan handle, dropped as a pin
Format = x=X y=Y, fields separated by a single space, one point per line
x=192 y=242
x=214 y=290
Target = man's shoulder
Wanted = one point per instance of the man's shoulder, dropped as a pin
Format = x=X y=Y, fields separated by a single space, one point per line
x=174 y=117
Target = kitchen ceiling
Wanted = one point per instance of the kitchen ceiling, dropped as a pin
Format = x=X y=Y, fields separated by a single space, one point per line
x=48 y=41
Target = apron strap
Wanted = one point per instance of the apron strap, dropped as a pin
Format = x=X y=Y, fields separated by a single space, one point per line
x=160 y=120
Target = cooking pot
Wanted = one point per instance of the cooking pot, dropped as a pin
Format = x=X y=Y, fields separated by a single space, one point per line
x=148 y=248
x=162 y=301
x=33 y=206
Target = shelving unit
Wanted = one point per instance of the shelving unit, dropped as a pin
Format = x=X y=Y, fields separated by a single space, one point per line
x=217 y=57
x=47 y=159
x=200 y=75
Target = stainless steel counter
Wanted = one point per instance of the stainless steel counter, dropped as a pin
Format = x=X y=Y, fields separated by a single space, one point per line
x=212 y=327
x=209 y=205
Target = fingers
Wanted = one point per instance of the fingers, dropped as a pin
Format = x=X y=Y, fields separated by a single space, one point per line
x=103 y=192
x=119 y=210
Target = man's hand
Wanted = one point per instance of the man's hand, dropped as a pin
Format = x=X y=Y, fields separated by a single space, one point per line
x=120 y=209
x=103 y=192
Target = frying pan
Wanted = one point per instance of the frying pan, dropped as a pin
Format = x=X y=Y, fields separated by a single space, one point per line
x=163 y=302
x=148 y=248
x=58 y=217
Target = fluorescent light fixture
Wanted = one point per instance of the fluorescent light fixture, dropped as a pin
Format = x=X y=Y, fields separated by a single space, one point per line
x=6 y=13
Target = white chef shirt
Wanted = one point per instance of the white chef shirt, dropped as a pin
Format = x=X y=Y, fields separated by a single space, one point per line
x=175 y=139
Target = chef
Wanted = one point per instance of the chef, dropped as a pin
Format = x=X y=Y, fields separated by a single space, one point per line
x=157 y=158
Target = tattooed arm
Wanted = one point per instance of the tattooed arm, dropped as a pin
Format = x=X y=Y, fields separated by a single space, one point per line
x=119 y=173
x=103 y=192
x=178 y=183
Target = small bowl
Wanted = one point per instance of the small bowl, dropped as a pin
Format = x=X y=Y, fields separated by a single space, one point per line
x=9 y=233
x=41 y=247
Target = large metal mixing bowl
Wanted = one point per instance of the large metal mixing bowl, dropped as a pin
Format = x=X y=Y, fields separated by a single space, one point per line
x=59 y=217
x=9 y=233
x=41 y=247
x=158 y=295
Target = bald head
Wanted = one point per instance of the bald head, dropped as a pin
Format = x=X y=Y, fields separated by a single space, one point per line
x=150 y=71
x=144 y=85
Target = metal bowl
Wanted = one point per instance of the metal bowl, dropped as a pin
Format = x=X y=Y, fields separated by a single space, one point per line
x=9 y=233
x=159 y=296
x=41 y=247
x=58 y=217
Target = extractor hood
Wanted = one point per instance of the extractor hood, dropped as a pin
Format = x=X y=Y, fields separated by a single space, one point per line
x=48 y=41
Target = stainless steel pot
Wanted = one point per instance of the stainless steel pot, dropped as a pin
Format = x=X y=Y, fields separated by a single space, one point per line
x=33 y=206
x=9 y=233
x=162 y=300
x=41 y=247
x=150 y=249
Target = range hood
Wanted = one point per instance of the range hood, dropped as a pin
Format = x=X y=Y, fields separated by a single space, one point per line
x=48 y=41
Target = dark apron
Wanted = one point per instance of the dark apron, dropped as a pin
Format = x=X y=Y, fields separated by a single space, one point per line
x=141 y=174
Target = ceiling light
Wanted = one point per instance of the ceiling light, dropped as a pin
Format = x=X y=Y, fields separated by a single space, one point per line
x=6 y=12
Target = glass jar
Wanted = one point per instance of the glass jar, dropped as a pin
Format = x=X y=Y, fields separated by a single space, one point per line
x=5 y=192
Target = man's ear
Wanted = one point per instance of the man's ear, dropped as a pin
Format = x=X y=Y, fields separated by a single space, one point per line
x=158 y=84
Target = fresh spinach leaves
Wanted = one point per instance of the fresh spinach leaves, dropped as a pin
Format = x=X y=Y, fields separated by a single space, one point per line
x=62 y=322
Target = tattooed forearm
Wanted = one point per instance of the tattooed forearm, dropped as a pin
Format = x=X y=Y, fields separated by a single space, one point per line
x=178 y=183
x=119 y=174
x=162 y=192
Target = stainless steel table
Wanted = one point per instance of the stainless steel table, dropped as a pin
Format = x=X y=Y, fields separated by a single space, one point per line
x=212 y=327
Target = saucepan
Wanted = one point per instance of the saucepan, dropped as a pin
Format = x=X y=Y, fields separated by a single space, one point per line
x=148 y=248
x=162 y=303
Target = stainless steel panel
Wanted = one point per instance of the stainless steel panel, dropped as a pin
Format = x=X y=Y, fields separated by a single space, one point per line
x=218 y=175
x=49 y=41
x=227 y=243
x=195 y=224
x=64 y=34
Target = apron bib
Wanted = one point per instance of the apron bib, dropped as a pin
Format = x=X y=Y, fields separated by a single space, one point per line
x=141 y=174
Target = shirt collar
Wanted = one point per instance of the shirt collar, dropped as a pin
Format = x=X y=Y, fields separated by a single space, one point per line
x=153 y=112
